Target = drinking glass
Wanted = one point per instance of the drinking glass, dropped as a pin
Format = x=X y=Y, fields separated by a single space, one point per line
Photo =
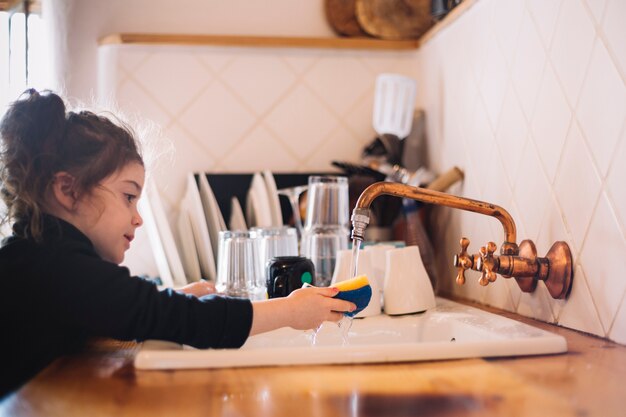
x=327 y=202
x=238 y=269
x=321 y=246
x=273 y=242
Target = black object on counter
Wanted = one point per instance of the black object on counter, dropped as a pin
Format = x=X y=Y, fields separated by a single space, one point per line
x=288 y=273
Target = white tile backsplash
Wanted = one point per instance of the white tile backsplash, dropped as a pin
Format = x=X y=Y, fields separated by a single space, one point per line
x=602 y=107
x=597 y=8
x=577 y=186
x=579 y=312
x=571 y=48
x=512 y=134
x=602 y=259
x=615 y=180
x=559 y=130
x=528 y=65
x=545 y=14
x=506 y=21
x=615 y=30
x=550 y=122
x=272 y=79
x=529 y=99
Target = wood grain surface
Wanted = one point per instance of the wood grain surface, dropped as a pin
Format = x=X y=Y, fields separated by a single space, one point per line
x=587 y=381
x=394 y=19
x=341 y=15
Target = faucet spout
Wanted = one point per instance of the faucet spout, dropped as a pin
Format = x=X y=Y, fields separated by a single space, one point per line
x=443 y=199
x=519 y=262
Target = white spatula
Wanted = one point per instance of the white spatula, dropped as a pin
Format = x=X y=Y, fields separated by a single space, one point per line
x=394 y=103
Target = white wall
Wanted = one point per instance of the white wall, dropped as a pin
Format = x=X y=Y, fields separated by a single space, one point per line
x=85 y=21
x=529 y=98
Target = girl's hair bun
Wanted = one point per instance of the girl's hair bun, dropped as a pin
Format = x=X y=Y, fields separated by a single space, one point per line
x=34 y=122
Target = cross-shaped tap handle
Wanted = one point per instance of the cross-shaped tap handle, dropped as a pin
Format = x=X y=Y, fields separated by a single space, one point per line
x=487 y=264
x=462 y=261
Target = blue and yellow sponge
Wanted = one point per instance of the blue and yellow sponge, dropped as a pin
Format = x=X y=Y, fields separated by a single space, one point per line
x=356 y=290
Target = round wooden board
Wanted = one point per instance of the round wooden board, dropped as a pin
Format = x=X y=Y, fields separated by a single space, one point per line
x=394 y=19
x=341 y=16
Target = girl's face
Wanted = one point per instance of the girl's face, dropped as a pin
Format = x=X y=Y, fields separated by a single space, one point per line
x=109 y=215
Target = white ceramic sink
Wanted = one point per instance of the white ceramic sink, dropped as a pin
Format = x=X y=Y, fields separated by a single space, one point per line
x=448 y=331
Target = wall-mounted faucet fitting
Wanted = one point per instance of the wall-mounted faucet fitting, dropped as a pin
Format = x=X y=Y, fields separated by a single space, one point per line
x=520 y=262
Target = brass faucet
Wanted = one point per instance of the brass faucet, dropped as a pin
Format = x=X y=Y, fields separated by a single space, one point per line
x=520 y=262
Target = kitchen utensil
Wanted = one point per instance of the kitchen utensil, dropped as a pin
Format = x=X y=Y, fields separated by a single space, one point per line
x=321 y=245
x=237 y=219
x=238 y=271
x=326 y=228
x=189 y=255
x=327 y=202
x=394 y=19
x=414 y=153
x=212 y=213
x=258 y=206
x=156 y=243
x=407 y=287
x=272 y=195
x=354 y=169
x=293 y=195
x=288 y=273
x=274 y=242
x=161 y=227
x=394 y=104
x=341 y=16
x=200 y=229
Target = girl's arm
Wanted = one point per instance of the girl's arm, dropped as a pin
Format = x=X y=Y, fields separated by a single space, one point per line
x=303 y=309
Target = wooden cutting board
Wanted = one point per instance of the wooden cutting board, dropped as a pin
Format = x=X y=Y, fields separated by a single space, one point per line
x=341 y=16
x=394 y=19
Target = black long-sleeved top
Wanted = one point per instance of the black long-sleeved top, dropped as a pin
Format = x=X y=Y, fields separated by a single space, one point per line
x=56 y=294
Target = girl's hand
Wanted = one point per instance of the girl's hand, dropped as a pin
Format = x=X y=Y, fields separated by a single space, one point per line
x=313 y=305
x=198 y=289
x=303 y=309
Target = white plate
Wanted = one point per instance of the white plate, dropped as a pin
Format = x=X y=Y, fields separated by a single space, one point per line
x=156 y=244
x=259 y=209
x=166 y=235
x=200 y=230
x=448 y=331
x=237 y=220
x=250 y=212
x=272 y=194
x=212 y=213
x=189 y=253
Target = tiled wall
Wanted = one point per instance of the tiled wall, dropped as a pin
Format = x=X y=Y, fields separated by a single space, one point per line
x=244 y=109
x=529 y=97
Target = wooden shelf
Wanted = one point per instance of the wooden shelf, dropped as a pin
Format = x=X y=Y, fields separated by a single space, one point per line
x=256 y=41
x=284 y=42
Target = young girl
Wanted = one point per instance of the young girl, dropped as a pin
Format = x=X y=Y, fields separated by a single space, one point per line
x=71 y=182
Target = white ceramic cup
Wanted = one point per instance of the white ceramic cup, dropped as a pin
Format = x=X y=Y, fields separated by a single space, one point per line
x=342 y=272
x=407 y=287
x=378 y=255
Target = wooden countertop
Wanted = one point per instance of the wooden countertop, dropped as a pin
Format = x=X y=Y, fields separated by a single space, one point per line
x=587 y=381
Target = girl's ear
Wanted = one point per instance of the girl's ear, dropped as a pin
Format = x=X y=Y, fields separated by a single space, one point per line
x=63 y=190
